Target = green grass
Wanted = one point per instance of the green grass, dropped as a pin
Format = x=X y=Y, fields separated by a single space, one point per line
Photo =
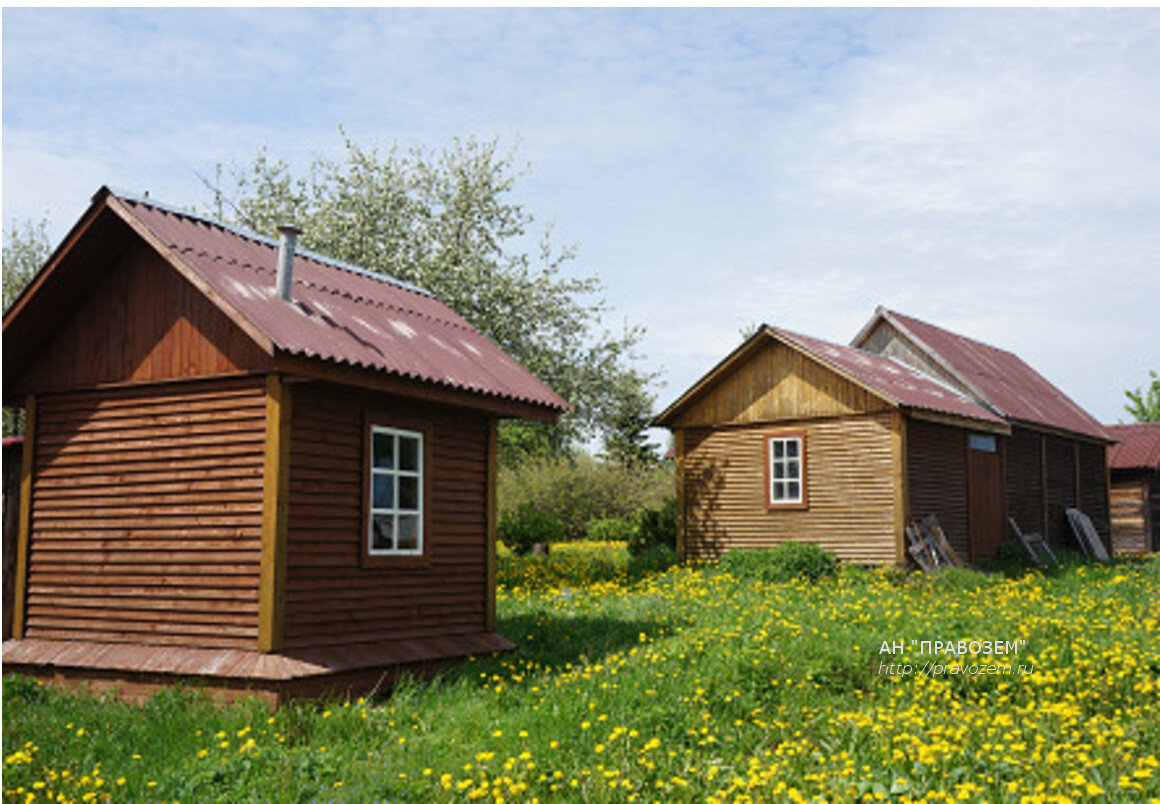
x=689 y=684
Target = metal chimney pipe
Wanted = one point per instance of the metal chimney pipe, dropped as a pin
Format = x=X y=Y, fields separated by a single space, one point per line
x=288 y=236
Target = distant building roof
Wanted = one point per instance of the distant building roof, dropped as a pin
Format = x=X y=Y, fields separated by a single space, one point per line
x=893 y=379
x=999 y=378
x=338 y=312
x=1139 y=446
x=890 y=379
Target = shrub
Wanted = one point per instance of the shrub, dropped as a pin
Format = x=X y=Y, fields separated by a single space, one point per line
x=657 y=558
x=581 y=489
x=655 y=526
x=524 y=527
x=610 y=529
x=783 y=563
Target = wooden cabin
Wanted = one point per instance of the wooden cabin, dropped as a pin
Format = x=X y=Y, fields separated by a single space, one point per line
x=248 y=464
x=794 y=438
x=1135 y=495
x=1056 y=455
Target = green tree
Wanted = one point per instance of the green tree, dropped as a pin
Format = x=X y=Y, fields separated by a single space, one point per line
x=628 y=412
x=26 y=248
x=1144 y=403
x=446 y=221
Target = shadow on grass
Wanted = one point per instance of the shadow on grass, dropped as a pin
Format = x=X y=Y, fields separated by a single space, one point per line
x=554 y=641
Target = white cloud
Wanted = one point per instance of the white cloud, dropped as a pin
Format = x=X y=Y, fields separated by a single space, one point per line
x=995 y=171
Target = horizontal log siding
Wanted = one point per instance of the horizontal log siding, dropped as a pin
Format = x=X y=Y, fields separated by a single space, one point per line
x=1135 y=511
x=1025 y=493
x=1093 y=485
x=937 y=473
x=849 y=476
x=1060 y=490
x=331 y=599
x=147 y=515
x=778 y=383
x=143 y=323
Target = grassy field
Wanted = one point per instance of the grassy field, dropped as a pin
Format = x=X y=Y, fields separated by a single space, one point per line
x=686 y=685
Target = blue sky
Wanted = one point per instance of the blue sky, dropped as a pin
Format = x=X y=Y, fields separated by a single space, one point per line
x=996 y=172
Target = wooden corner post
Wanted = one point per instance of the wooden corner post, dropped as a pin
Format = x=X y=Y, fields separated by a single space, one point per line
x=679 y=476
x=275 y=499
x=900 y=484
x=24 y=531
x=492 y=517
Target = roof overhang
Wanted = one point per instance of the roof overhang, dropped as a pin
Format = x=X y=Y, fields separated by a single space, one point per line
x=764 y=335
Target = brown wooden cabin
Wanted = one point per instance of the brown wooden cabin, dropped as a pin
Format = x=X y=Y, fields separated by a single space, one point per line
x=1135 y=473
x=793 y=438
x=286 y=493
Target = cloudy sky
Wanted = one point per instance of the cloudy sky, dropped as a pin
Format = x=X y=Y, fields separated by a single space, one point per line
x=995 y=172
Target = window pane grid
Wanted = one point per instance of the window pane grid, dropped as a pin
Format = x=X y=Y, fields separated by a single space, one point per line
x=396 y=505
x=785 y=470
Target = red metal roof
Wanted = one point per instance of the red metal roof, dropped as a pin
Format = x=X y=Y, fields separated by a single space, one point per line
x=1000 y=378
x=341 y=313
x=1139 y=446
x=893 y=379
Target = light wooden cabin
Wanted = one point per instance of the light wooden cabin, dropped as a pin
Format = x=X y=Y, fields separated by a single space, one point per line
x=795 y=439
x=885 y=436
x=283 y=495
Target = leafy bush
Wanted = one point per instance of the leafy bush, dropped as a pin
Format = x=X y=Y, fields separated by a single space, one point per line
x=610 y=529
x=657 y=558
x=524 y=527
x=655 y=527
x=783 y=563
x=578 y=490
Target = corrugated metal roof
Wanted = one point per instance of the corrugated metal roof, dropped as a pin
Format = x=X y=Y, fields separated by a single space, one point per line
x=893 y=379
x=1001 y=378
x=342 y=314
x=1139 y=446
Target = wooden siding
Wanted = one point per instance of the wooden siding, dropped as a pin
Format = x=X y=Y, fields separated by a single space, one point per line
x=1092 y=473
x=1135 y=512
x=332 y=598
x=937 y=474
x=851 y=477
x=1026 y=496
x=144 y=323
x=885 y=340
x=1061 y=477
x=776 y=384
x=146 y=515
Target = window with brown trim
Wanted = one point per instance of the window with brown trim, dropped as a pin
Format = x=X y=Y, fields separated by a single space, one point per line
x=785 y=470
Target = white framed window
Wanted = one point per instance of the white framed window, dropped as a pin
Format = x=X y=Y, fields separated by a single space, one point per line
x=395 y=517
x=785 y=470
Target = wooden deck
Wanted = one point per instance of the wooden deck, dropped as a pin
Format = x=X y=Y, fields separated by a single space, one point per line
x=134 y=671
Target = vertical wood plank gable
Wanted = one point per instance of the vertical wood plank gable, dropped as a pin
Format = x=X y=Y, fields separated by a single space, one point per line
x=143 y=323
x=778 y=384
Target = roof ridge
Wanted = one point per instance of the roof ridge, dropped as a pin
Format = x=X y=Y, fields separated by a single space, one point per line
x=322 y=259
x=960 y=336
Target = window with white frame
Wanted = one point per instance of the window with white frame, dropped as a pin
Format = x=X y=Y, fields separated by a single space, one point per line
x=785 y=470
x=396 y=492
